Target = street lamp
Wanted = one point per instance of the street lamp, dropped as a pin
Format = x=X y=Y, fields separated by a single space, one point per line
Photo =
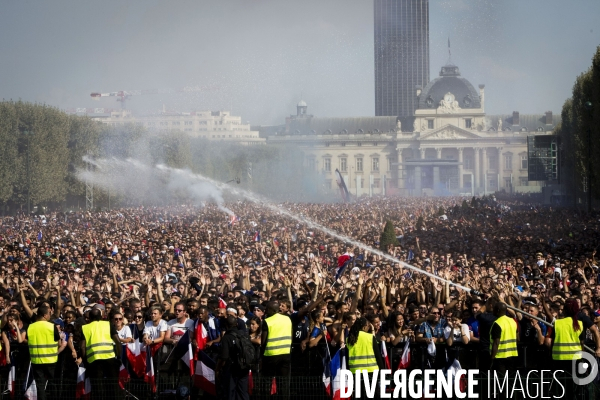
x=28 y=135
x=588 y=106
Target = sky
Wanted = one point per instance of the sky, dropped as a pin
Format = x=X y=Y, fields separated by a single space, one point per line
x=258 y=58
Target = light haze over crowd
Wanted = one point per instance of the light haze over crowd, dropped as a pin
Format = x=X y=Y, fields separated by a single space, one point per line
x=262 y=56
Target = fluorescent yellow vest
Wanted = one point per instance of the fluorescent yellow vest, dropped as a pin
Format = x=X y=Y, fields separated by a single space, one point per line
x=279 y=337
x=360 y=354
x=98 y=343
x=566 y=344
x=508 y=339
x=43 y=349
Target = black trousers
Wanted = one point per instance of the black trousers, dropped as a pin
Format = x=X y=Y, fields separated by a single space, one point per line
x=279 y=366
x=42 y=373
x=104 y=375
x=233 y=386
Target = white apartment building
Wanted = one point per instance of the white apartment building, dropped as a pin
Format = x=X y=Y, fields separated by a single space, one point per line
x=213 y=125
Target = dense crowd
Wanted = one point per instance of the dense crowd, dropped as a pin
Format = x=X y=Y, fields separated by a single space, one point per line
x=164 y=270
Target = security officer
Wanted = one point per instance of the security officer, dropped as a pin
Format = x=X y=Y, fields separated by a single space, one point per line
x=503 y=340
x=566 y=340
x=98 y=347
x=43 y=340
x=277 y=345
x=363 y=350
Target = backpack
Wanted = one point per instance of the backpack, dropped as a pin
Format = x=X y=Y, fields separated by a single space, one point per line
x=245 y=351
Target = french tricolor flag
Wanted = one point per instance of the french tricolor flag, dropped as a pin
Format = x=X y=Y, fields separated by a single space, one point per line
x=183 y=351
x=12 y=374
x=134 y=354
x=257 y=236
x=338 y=364
x=384 y=355
x=123 y=376
x=201 y=337
x=405 y=359
x=342 y=262
x=233 y=219
x=30 y=387
x=83 y=388
x=149 y=378
x=204 y=377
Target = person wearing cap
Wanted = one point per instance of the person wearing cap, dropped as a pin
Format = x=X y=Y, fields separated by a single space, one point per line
x=98 y=347
x=43 y=338
x=276 y=346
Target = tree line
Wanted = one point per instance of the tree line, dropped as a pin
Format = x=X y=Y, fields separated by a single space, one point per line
x=579 y=133
x=42 y=148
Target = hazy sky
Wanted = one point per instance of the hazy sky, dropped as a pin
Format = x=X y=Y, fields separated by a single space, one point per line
x=261 y=56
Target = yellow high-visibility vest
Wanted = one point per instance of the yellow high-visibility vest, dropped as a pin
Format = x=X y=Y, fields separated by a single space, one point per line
x=508 y=339
x=279 y=337
x=43 y=349
x=98 y=343
x=361 y=355
x=566 y=344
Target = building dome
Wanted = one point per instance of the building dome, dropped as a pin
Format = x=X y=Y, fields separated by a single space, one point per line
x=449 y=81
x=302 y=103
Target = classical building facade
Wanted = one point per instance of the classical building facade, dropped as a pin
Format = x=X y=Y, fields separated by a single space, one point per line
x=213 y=125
x=448 y=146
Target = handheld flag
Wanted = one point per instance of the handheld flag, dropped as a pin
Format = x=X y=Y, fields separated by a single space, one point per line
x=201 y=337
x=84 y=387
x=257 y=236
x=183 y=352
x=405 y=359
x=384 y=355
x=134 y=354
x=342 y=262
x=337 y=365
x=39 y=236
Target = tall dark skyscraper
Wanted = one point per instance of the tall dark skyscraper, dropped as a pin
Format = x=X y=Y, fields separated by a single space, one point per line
x=401 y=54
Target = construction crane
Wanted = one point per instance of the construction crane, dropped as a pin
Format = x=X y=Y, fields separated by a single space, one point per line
x=123 y=95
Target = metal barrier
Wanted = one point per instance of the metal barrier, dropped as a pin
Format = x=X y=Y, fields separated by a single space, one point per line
x=312 y=388
x=306 y=380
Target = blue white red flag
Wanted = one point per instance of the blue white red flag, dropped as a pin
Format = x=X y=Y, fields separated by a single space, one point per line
x=134 y=354
x=204 y=377
x=405 y=359
x=183 y=351
x=12 y=375
x=149 y=378
x=342 y=262
x=338 y=364
x=257 y=236
x=83 y=389
x=30 y=387
x=233 y=219
x=384 y=355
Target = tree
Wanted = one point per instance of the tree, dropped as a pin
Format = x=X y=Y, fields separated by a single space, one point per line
x=388 y=236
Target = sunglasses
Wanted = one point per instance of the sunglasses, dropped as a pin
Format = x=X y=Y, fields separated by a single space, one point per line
x=118 y=319
x=139 y=316
x=179 y=310
x=436 y=313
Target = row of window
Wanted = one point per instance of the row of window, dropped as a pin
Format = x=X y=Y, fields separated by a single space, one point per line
x=343 y=166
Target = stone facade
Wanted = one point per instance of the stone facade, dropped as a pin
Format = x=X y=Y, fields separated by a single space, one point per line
x=448 y=147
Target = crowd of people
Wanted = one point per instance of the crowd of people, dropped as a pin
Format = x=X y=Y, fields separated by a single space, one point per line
x=157 y=273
